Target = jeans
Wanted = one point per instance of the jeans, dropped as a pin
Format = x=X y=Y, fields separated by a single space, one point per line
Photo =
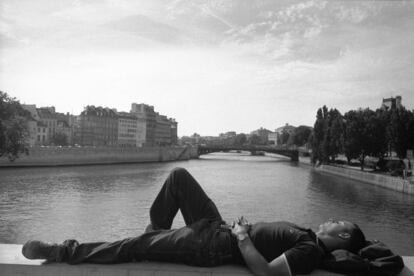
x=202 y=242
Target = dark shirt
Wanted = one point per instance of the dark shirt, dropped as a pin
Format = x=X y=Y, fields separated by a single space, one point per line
x=298 y=244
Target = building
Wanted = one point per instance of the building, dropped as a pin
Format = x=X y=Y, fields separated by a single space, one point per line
x=127 y=130
x=228 y=134
x=162 y=130
x=272 y=138
x=65 y=126
x=48 y=118
x=43 y=126
x=262 y=133
x=41 y=133
x=146 y=115
x=392 y=103
x=97 y=126
x=284 y=129
x=32 y=124
x=174 y=131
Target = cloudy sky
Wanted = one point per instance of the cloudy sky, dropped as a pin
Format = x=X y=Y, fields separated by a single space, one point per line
x=215 y=65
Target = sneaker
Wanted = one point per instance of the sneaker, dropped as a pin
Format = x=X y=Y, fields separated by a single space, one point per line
x=41 y=250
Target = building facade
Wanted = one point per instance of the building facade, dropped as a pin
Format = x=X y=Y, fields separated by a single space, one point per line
x=31 y=124
x=97 y=126
x=272 y=138
x=146 y=114
x=262 y=133
x=127 y=130
x=174 y=131
x=392 y=103
x=162 y=130
x=289 y=129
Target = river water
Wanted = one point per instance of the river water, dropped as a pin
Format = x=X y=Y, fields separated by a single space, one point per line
x=110 y=202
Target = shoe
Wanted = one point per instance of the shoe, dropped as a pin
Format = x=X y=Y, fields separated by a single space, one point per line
x=34 y=249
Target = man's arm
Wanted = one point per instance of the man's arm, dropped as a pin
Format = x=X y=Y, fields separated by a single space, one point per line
x=254 y=260
x=258 y=265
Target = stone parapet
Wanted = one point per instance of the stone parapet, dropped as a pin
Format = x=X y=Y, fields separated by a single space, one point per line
x=55 y=156
x=12 y=262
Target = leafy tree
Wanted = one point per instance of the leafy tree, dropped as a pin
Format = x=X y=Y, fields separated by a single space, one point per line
x=13 y=127
x=400 y=130
x=60 y=139
x=240 y=139
x=284 y=137
x=365 y=134
x=254 y=140
x=327 y=138
x=334 y=137
x=319 y=130
x=301 y=135
x=410 y=130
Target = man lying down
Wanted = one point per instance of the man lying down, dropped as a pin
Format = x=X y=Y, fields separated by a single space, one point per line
x=266 y=248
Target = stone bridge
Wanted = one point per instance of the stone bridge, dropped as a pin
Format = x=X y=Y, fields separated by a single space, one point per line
x=291 y=152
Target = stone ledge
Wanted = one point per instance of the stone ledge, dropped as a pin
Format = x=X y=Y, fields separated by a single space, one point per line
x=13 y=263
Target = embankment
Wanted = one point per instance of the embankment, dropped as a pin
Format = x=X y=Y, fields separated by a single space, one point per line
x=385 y=181
x=55 y=156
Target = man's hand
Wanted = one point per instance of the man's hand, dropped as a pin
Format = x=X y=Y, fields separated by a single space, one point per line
x=240 y=227
x=254 y=260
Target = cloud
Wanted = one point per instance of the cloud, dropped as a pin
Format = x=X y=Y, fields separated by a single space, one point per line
x=145 y=27
x=271 y=57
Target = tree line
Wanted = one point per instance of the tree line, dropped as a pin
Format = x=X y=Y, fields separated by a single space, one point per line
x=13 y=127
x=361 y=133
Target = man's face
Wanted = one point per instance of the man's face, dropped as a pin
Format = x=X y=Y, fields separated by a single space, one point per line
x=334 y=227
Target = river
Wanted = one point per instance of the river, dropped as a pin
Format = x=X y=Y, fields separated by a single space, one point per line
x=110 y=202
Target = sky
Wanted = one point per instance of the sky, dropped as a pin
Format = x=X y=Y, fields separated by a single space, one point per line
x=214 y=66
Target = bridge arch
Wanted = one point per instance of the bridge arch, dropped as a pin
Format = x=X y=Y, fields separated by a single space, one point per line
x=293 y=153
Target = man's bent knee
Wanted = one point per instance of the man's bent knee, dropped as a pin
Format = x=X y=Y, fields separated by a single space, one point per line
x=179 y=170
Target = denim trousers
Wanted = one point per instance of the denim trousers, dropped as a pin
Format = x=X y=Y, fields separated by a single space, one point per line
x=202 y=242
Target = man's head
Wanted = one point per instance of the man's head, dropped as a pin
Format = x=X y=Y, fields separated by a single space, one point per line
x=341 y=234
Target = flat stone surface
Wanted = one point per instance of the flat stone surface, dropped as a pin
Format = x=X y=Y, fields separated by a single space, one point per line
x=12 y=262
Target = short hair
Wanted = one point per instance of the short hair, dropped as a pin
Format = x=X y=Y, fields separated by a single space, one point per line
x=357 y=240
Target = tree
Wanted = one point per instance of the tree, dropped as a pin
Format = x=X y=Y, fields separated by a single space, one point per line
x=365 y=135
x=60 y=139
x=284 y=137
x=13 y=127
x=327 y=138
x=254 y=140
x=301 y=135
x=319 y=130
x=399 y=130
x=334 y=138
x=240 y=139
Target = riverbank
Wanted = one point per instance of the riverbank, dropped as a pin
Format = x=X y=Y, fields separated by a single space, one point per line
x=77 y=156
x=398 y=184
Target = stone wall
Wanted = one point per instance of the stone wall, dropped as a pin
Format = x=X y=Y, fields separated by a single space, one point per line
x=385 y=181
x=55 y=156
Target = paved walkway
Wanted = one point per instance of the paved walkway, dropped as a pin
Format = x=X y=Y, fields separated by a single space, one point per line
x=12 y=262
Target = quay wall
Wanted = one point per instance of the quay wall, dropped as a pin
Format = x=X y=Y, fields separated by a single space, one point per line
x=388 y=182
x=12 y=262
x=44 y=156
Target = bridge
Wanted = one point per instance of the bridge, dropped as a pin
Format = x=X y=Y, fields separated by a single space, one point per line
x=291 y=152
